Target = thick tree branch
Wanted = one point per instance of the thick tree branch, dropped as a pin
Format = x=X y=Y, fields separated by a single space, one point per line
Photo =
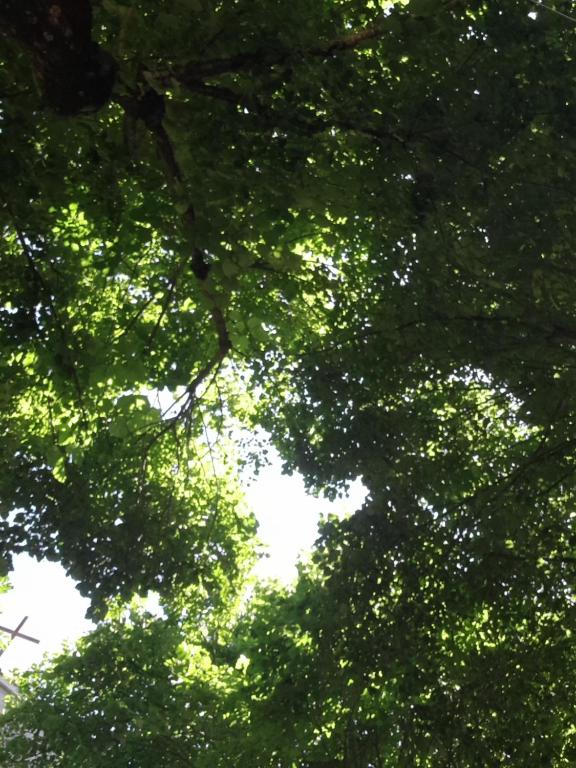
x=348 y=42
x=264 y=58
x=150 y=109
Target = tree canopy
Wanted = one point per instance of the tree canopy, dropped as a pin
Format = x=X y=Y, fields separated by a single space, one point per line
x=349 y=225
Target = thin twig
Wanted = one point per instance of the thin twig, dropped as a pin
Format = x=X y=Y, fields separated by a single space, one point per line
x=71 y=369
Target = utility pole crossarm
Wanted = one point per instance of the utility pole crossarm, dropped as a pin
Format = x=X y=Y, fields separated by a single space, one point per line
x=15 y=633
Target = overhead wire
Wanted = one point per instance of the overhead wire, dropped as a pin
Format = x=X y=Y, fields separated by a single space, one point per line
x=539 y=4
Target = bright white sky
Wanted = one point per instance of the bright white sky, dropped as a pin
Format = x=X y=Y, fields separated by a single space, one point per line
x=288 y=520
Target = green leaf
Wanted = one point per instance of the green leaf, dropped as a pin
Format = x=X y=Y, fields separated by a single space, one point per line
x=230 y=268
x=59 y=470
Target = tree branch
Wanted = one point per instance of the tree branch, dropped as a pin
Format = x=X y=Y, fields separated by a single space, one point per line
x=265 y=58
x=150 y=109
x=68 y=365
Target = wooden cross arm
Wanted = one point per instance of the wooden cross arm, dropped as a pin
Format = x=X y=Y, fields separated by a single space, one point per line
x=16 y=633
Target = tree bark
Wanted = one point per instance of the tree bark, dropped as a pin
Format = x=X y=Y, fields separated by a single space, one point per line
x=74 y=73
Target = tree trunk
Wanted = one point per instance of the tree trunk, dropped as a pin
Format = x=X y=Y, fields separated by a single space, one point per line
x=74 y=74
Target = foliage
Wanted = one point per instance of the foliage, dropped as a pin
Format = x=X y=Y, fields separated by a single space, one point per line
x=129 y=693
x=4 y=587
x=350 y=224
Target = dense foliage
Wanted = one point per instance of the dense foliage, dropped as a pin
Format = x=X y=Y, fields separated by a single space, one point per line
x=350 y=224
